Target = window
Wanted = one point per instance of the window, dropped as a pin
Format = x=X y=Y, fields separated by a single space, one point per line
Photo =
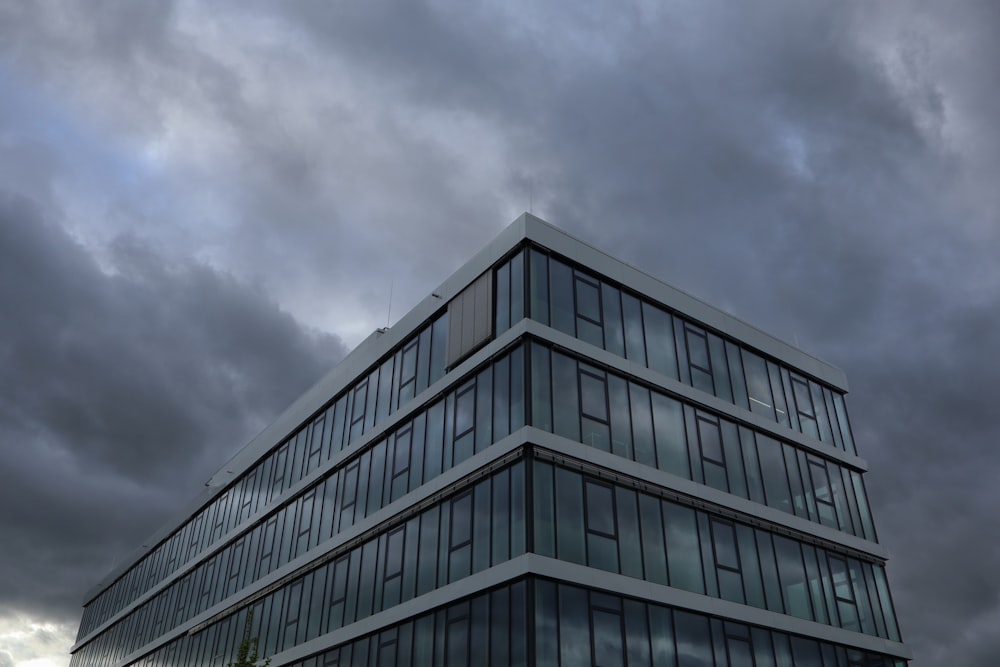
x=698 y=359
x=400 y=463
x=594 y=410
x=460 y=532
x=470 y=319
x=713 y=458
x=602 y=533
x=338 y=592
x=758 y=384
x=727 y=561
x=349 y=496
x=608 y=637
x=589 y=325
x=304 y=529
x=358 y=410
x=408 y=372
x=822 y=492
x=465 y=422
x=315 y=445
x=804 y=407
x=393 y=566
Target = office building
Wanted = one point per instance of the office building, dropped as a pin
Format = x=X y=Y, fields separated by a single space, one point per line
x=553 y=459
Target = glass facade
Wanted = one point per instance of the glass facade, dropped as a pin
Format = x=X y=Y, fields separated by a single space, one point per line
x=585 y=519
x=604 y=410
x=598 y=312
x=408 y=519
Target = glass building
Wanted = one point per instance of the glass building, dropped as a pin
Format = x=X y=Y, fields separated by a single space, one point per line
x=554 y=459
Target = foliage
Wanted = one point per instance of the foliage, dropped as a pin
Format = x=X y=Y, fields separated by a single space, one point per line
x=246 y=654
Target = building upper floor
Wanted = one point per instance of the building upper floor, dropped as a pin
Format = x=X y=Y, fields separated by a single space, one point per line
x=641 y=370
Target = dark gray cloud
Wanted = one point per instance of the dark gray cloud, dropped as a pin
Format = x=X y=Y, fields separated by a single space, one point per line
x=126 y=386
x=825 y=172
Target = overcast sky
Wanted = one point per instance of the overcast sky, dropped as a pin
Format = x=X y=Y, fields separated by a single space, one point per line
x=203 y=206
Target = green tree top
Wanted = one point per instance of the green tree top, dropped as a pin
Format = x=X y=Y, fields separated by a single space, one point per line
x=246 y=654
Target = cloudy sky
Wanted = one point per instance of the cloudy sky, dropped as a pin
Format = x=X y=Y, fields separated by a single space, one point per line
x=204 y=205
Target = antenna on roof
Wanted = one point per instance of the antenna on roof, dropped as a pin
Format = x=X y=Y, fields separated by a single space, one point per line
x=388 y=315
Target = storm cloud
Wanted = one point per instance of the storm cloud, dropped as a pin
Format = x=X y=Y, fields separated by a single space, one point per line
x=124 y=386
x=202 y=206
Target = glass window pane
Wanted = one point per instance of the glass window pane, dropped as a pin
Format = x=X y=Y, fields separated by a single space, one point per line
x=517 y=288
x=683 y=549
x=636 y=634
x=659 y=330
x=861 y=597
x=518 y=500
x=762 y=650
x=438 y=341
x=561 y=297
x=427 y=576
x=569 y=516
x=608 y=641
x=458 y=643
x=541 y=388
x=758 y=384
x=423 y=641
x=539 y=286
x=642 y=425
x=720 y=368
x=735 y=358
x=793 y=578
x=694 y=641
x=461 y=520
x=621 y=417
x=594 y=396
x=501 y=399
x=845 y=426
x=662 y=634
x=503 y=298
x=484 y=409
x=565 y=403
x=795 y=479
x=653 y=548
x=711 y=440
x=574 y=629
x=423 y=359
x=465 y=403
x=629 y=541
x=815 y=584
x=724 y=537
x=734 y=459
x=866 y=517
x=668 y=429
x=501 y=518
x=634 y=344
x=777 y=393
x=822 y=419
x=751 y=465
x=517 y=405
x=600 y=509
x=697 y=348
x=739 y=653
x=772 y=466
x=750 y=566
x=769 y=571
x=544 y=509
x=805 y=652
x=546 y=624
x=500 y=627
x=614 y=334
x=888 y=611
x=588 y=300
